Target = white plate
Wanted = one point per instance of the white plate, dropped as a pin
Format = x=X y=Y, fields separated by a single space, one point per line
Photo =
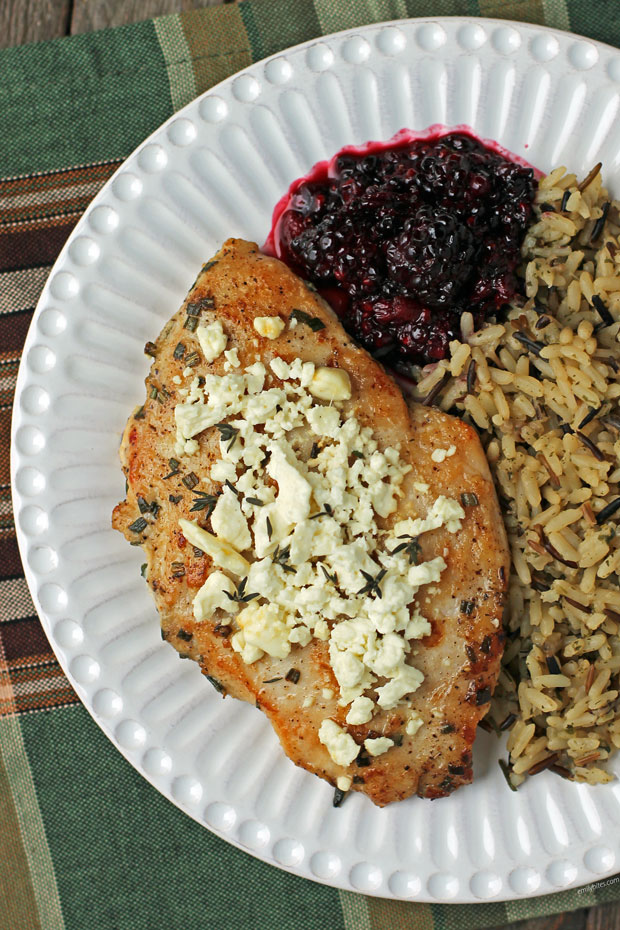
x=214 y=170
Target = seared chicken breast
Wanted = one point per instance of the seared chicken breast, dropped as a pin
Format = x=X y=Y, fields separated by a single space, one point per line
x=186 y=492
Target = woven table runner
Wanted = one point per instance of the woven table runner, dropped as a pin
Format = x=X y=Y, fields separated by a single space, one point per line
x=85 y=842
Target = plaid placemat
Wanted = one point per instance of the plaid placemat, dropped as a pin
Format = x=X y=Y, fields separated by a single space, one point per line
x=85 y=842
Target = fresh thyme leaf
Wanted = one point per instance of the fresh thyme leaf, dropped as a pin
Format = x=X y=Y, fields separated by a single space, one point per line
x=173 y=465
x=216 y=684
x=240 y=597
x=372 y=583
x=228 y=433
x=281 y=556
x=231 y=486
x=204 y=501
x=270 y=681
x=312 y=321
x=411 y=547
x=329 y=577
x=269 y=528
x=328 y=512
x=255 y=501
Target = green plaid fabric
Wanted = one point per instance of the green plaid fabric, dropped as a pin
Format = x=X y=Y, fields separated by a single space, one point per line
x=85 y=842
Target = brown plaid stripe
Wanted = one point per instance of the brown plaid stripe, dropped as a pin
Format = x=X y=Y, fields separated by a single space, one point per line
x=37 y=213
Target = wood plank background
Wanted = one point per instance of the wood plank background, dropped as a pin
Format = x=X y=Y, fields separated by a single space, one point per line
x=24 y=21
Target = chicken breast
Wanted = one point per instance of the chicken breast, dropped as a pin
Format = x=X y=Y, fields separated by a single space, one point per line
x=432 y=729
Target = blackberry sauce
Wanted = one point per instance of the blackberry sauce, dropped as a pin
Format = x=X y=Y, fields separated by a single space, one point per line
x=404 y=236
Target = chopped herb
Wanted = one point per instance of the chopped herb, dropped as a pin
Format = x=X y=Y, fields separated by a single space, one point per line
x=339 y=796
x=602 y=310
x=411 y=548
x=231 y=486
x=178 y=569
x=468 y=607
x=358 y=780
x=173 y=465
x=190 y=481
x=456 y=769
x=143 y=569
x=314 y=451
x=142 y=505
x=175 y=498
x=198 y=553
x=191 y=322
x=471 y=654
x=179 y=351
x=240 y=597
x=469 y=499
x=269 y=529
x=448 y=728
x=397 y=738
x=222 y=629
x=153 y=392
x=372 y=584
x=363 y=759
x=204 y=501
x=506 y=773
x=270 y=681
x=138 y=525
x=216 y=684
x=293 y=675
x=150 y=349
x=485 y=645
x=329 y=577
x=192 y=359
x=312 y=321
x=357 y=454
x=608 y=511
x=139 y=414
x=483 y=696
x=255 y=501
x=228 y=433
x=184 y=635
x=210 y=264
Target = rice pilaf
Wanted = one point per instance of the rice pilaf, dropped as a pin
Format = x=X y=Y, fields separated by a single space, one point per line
x=542 y=387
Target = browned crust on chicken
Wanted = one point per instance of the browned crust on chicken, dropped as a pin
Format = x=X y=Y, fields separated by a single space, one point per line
x=461 y=657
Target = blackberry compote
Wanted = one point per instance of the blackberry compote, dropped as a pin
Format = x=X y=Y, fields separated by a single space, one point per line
x=402 y=237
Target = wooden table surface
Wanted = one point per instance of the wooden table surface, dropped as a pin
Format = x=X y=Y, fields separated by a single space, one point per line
x=35 y=20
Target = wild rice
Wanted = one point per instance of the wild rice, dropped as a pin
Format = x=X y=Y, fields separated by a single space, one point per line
x=542 y=385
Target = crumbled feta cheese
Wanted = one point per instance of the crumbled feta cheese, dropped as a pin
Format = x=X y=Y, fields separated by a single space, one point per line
x=376 y=747
x=269 y=327
x=264 y=627
x=229 y=523
x=327 y=694
x=340 y=745
x=176 y=379
x=212 y=339
x=344 y=782
x=308 y=701
x=232 y=359
x=330 y=384
x=280 y=368
x=414 y=723
x=222 y=553
x=213 y=596
x=440 y=455
x=361 y=711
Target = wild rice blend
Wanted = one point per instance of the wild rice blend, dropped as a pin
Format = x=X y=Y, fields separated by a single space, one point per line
x=543 y=389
